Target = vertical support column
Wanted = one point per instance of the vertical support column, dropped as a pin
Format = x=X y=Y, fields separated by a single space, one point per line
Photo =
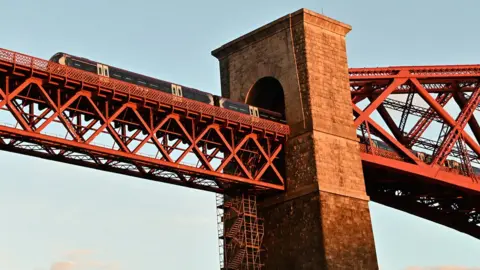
x=322 y=221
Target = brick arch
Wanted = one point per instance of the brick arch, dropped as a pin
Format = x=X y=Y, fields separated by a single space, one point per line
x=267 y=93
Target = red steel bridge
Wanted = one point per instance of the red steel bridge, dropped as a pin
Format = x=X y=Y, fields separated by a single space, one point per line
x=425 y=160
x=418 y=134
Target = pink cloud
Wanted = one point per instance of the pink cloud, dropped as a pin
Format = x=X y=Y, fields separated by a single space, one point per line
x=78 y=254
x=63 y=266
x=78 y=260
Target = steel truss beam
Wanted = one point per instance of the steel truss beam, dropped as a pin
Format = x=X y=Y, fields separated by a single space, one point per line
x=401 y=178
x=454 y=208
x=408 y=79
x=39 y=94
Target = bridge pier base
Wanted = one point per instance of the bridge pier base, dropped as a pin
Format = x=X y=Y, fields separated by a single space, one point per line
x=318 y=230
x=297 y=65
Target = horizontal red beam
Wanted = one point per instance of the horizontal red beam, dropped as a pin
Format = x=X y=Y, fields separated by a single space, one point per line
x=446 y=71
x=145 y=161
x=435 y=173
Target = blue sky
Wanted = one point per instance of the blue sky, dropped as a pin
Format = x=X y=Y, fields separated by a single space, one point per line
x=56 y=216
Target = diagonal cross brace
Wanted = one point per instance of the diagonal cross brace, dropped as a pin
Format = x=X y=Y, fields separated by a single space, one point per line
x=456 y=130
x=422 y=124
x=446 y=116
x=373 y=106
x=389 y=139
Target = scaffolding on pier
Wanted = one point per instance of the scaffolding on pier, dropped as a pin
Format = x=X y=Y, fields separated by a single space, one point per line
x=240 y=232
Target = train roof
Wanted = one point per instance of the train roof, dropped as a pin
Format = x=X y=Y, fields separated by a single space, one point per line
x=56 y=54
x=124 y=70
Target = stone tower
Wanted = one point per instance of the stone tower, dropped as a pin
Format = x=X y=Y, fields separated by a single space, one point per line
x=297 y=65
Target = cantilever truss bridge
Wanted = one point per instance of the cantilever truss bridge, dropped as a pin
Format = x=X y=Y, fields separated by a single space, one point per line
x=417 y=129
x=420 y=138
x=65 y=114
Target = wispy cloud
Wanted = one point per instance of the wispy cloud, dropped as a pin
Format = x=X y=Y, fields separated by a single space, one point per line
x=80 y=260
x=78 y=254
x=63 y=266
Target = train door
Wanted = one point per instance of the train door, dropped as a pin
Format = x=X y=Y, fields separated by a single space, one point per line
x=105 y=71
x=254 y=111
x=102 y=70
x=177 y=90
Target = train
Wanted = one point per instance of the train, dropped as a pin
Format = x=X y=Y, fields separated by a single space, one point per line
x=105 y=70
x=427 y=158
x=109 y=71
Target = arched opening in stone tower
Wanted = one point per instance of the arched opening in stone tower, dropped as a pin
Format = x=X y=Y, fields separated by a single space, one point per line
x=267 y=93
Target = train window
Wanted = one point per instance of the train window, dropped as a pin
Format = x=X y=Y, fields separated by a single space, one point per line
x=81 y=65
x=89 y=68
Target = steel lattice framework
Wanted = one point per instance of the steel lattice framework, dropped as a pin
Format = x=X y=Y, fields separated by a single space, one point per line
x=418 y=157
x=421 y=159
x=189 y=143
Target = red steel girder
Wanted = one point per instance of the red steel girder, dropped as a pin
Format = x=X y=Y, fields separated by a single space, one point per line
x=435 y=174
x=427 y=116
x=419 y=72
x=396 y=177
x=473 y=123
x=380 y=84
x=446 y=116
x=422 y=124
x=456 y=130
x=455 y=208
x=39 y=94
x=435 y=79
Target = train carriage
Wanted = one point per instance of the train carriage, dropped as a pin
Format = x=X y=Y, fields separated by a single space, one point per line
x=164 y=86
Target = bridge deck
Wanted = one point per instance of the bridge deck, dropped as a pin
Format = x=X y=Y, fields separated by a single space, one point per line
x=182 y=132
